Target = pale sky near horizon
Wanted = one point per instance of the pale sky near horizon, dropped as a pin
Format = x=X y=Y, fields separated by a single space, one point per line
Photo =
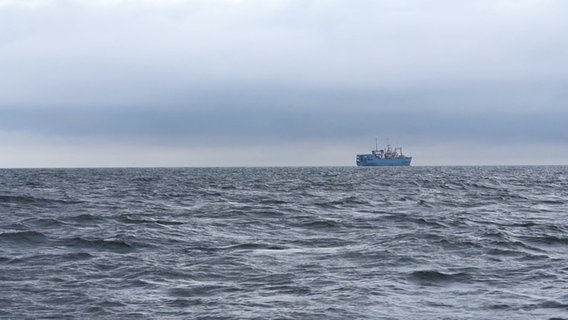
x=107 y=83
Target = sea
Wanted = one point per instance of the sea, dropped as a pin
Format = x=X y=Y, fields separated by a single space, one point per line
x=284 y=243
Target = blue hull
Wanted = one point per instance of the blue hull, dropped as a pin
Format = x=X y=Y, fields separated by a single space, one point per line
x=369 y=160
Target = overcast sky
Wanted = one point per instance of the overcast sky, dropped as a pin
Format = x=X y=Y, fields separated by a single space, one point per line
x=282 y=82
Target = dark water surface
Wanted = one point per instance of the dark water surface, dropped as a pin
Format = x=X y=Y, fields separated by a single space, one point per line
x=285 y=243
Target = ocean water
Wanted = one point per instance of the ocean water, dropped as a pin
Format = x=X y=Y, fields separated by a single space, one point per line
x=284 y=243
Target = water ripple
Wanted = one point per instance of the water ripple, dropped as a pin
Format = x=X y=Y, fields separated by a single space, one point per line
x=284 y=243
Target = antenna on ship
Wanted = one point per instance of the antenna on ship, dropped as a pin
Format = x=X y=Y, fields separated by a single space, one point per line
x=376 y=144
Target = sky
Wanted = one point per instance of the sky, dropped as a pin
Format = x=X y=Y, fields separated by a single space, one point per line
x=128 y=83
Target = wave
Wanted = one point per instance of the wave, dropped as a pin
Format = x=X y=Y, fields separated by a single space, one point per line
x=46 y=222
x=130 y=220
x=547 y=240
x=85 y=219
x=48 y=259
x=23 y=238
x=433 y=277
x=254 y=246
x=322 y=224
x=197 y=290
x=27 y=199
x=113 y=245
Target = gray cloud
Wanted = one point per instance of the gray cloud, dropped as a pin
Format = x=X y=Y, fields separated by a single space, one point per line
x=260 y=126
x=72 y=52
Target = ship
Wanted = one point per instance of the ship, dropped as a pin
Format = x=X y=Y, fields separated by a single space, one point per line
x=384 y=157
